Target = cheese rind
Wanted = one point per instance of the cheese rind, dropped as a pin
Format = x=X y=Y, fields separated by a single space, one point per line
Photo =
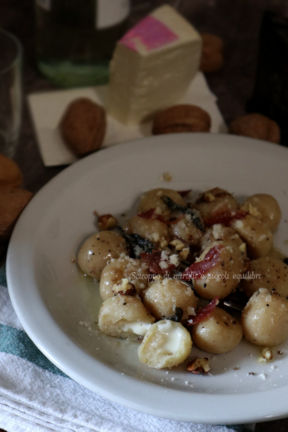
x=152 y=66
x=149 y=34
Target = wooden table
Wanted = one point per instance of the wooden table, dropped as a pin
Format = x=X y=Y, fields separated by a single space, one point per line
x=237 y=22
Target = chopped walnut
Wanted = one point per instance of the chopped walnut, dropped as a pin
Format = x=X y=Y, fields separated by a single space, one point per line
x=167 y=177
x=106 y=222
x=174 y=259
x=209 y=197
x=177 y=244
x=163 y=243
x=266 y=355
x=252 y=210
x=200 y=365
x=124 y=287
x=184 y=253
x=155 y=237
x=242 y=247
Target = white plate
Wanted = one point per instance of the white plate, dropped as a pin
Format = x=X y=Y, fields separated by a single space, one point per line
x=55 y=305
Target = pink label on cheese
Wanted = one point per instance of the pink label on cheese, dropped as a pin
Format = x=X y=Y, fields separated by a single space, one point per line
x=149 y=32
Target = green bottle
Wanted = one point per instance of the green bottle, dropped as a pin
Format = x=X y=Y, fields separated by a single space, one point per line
x=75 y=39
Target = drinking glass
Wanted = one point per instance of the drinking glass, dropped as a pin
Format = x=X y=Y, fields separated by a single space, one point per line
x=10 y=92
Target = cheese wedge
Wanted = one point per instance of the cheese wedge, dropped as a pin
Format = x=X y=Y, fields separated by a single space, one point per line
x=152 y=65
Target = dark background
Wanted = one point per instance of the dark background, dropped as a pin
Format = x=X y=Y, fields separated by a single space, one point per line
x=236 y=21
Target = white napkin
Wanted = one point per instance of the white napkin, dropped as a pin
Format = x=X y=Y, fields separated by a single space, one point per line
x=47 y=109
x=36 y=397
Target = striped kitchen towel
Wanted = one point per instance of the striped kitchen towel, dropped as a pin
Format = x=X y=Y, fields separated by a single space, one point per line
x=36 y=396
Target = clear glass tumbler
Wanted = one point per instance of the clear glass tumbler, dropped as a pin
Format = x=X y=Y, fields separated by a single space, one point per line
x=10 y=92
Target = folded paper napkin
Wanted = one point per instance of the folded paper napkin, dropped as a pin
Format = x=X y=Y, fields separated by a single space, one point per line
x=36 y=396
x=47 y=109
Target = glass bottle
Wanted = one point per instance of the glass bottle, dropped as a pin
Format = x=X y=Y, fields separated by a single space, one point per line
x=75 y=39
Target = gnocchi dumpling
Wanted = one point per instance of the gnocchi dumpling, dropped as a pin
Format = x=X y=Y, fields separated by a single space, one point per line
x=266 y=272
x=219 y=232
x=165 y=345
x=223 y=278
x=185 y=229
x=219 y=333
x=266 y=208
x=124 y=315
x=265 y=318
x=164 y=295
x=257 y=236
x=152 y=199
x=134 y=270
x=215 y=202
x=152 y=229
x=97 y=250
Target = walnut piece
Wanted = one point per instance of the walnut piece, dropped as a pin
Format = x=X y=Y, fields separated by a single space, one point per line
x=178 y=244
x=256 y=126
x=83 y=126
x=212 y=53
x=106 y=222
x=12 y=202
x=124 y=287
x=200 y=365
x=10 y=173
x=266 y=355
x=181 y=118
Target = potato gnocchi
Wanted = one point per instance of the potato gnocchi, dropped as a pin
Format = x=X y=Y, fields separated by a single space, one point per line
x=169 y=276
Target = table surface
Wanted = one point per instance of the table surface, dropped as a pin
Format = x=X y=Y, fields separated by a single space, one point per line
x=237 y=22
